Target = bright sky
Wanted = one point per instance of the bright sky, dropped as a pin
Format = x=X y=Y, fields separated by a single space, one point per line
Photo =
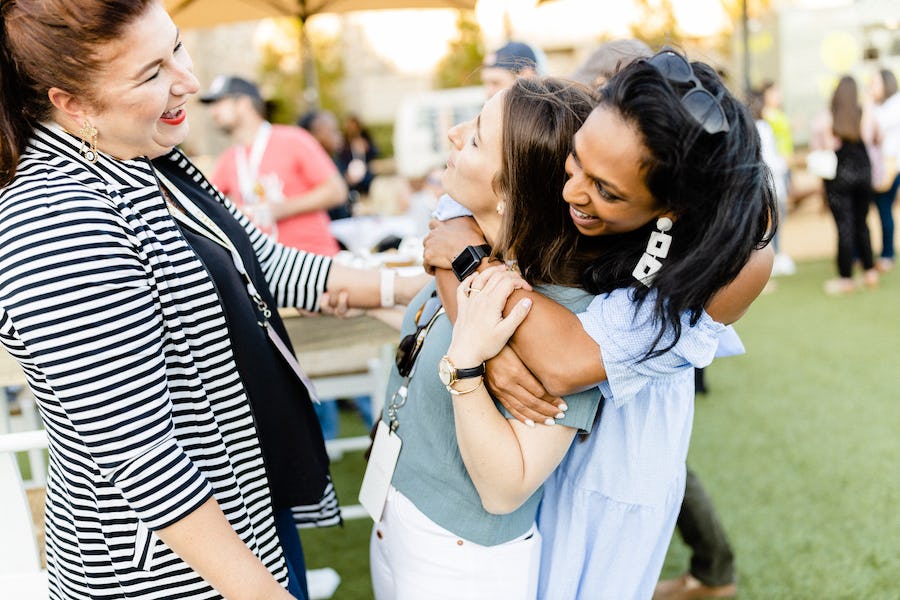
x=427 y=32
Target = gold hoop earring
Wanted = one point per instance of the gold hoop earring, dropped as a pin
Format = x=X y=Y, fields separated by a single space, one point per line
x=88 y=135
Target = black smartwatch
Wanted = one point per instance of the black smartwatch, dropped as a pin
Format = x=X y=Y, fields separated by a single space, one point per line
x=468 y=260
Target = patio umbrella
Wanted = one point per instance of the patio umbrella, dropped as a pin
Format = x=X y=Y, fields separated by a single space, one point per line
x=208 y=13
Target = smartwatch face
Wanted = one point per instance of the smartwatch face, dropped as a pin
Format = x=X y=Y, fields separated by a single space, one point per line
x=465 y=263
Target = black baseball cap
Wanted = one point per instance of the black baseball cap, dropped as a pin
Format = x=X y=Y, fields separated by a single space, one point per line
x=224 y=86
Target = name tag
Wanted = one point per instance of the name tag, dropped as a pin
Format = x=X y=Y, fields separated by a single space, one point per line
x=380 y=471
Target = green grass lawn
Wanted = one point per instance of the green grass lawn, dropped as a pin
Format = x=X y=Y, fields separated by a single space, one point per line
x=796 y=442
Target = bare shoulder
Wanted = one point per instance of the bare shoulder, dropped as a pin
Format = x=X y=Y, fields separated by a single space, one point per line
x=731 y=302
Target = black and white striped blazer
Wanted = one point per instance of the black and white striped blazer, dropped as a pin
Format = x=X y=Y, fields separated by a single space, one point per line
x=124 y=343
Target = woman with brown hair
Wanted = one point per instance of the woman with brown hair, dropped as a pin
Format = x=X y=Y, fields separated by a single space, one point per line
x=850 y=192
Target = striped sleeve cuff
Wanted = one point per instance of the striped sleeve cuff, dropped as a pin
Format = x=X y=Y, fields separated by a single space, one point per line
x=163 y=485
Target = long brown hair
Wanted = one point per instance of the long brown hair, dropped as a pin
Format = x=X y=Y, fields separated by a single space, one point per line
x=846 y=113
x=540 y=116
x=51 y=43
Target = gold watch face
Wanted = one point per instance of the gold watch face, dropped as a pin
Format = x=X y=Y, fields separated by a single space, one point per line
x=446 y=371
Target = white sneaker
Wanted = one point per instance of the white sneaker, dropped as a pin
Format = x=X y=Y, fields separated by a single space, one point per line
x=783 y=265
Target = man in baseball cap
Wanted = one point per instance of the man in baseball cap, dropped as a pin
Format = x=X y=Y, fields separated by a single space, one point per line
x=225 y=86
x=501 y=68
x=278 y=174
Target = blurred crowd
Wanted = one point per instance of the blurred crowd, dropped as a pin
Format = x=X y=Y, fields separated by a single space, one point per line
x=856 y=136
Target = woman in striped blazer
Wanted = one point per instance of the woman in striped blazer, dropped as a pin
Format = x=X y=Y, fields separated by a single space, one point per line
x=137 y=300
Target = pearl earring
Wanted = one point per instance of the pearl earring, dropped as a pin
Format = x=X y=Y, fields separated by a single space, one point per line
x=500 y=206
x=657 y=248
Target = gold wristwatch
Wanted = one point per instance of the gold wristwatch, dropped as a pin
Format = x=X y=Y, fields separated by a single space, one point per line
x=449 y=374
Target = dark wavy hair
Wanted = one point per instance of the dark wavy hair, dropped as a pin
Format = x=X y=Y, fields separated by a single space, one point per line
x=716 y=184
x=540 y=116
x=52 y=43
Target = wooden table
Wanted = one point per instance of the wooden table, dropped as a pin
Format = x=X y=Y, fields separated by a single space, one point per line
x=329 y=346
x=345 y=357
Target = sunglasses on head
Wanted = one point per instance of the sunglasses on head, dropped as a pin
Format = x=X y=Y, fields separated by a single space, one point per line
x=698 y=101
x=411 y=344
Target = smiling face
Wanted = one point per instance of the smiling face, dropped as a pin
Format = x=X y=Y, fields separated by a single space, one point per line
x=141 y=94
x=475 y=162
x=606 y=191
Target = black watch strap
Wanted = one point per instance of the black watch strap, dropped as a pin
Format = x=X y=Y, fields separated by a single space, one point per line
x=470 y=372
x=468 y=260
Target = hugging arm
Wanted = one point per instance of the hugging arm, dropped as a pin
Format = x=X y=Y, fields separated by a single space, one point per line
x=555 y=346
x=506 y=460
x=552 y=354
x=552 y=344
x=731 y=302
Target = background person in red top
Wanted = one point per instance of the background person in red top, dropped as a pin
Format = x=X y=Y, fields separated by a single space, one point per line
x=276 y=173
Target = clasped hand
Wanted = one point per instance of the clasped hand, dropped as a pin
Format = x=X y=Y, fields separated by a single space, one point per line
x=481 y=330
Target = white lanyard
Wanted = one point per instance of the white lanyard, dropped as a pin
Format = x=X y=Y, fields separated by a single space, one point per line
x=248 y=166
x=202 y=224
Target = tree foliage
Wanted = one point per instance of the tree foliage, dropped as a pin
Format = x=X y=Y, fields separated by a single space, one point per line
x=656 y=25
x=461 y=65
x=281 y=73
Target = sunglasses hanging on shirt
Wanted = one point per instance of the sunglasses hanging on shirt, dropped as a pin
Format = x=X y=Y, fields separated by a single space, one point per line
x=408 y=351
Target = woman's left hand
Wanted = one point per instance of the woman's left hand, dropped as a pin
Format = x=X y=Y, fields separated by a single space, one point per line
x=481 y=330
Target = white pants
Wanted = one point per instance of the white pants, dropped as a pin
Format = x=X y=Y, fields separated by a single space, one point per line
x=413 y=558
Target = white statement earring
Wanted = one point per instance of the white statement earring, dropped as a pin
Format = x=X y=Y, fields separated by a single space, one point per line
x=657 y=248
